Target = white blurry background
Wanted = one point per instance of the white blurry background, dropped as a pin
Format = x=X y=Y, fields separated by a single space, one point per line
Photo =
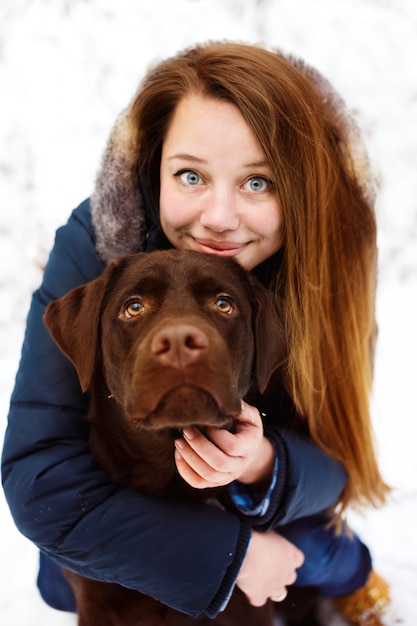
x=67 y=67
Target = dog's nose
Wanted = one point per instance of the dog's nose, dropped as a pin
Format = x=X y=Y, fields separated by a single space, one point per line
x=179 y=345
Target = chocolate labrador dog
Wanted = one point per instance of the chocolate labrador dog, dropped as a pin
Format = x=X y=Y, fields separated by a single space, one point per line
x=161 y=341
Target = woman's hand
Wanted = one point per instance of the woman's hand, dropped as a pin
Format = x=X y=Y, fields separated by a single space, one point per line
x=217 y=457
x=269 y=566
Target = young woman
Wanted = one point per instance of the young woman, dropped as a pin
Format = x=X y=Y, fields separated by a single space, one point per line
x=233 y=150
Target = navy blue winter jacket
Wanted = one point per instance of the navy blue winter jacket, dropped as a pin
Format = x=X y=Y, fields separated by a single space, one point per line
x=186 y=555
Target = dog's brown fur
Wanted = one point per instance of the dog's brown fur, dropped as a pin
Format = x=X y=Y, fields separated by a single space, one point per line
x=161 y=341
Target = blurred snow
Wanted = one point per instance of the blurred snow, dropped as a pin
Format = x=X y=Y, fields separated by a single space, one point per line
x=67 y=67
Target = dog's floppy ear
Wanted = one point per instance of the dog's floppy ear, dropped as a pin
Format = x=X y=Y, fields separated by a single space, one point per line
x=73 y=322
x=270 y=339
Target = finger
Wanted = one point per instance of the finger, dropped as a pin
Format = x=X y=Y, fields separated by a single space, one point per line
x=249 y=415
x=229 y=443
x=237 y=444
x=188 y=474
x=279 y=597
x=205 y=450
x=299 y=558
x=257 y=600
x=214 y=476
x=249 y=430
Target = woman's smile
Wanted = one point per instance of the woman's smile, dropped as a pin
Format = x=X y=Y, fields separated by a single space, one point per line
x=221 y=248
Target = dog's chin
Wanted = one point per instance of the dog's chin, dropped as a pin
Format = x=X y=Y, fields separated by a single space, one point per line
x=188 y=405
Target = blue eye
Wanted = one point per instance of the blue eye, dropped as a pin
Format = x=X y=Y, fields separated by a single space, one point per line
x=257 y=184
x=189 y=177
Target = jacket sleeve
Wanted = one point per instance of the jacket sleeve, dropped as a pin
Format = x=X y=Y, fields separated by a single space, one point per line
x=306 y=482
x=183 y=554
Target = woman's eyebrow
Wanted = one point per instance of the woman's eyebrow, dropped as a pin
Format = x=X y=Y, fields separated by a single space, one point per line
x=196 y=159
x=187 y=157
x=256 y=164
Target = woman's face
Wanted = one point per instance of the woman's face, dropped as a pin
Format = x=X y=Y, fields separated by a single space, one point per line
x=216 y=196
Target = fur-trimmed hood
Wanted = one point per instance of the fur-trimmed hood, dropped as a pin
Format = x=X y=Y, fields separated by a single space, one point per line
x=117 y=203
x=120 y=215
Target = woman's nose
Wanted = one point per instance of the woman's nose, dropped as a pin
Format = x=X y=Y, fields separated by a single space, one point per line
x=220 y=212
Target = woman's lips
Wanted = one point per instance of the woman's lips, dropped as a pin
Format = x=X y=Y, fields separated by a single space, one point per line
x=223 y=248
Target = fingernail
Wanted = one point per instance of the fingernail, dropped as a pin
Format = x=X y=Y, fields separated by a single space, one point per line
x=179 y=443
x=177 y=455
x=188 y=433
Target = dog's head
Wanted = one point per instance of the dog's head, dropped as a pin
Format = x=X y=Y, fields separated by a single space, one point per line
x=178 y=336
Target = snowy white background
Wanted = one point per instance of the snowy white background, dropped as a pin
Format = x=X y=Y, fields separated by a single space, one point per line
x=67 y=67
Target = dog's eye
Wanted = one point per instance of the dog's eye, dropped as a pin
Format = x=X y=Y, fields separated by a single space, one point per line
x=224 y=304
x=133 y=308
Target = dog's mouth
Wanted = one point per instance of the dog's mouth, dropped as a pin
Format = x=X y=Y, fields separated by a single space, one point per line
x=188 y=405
